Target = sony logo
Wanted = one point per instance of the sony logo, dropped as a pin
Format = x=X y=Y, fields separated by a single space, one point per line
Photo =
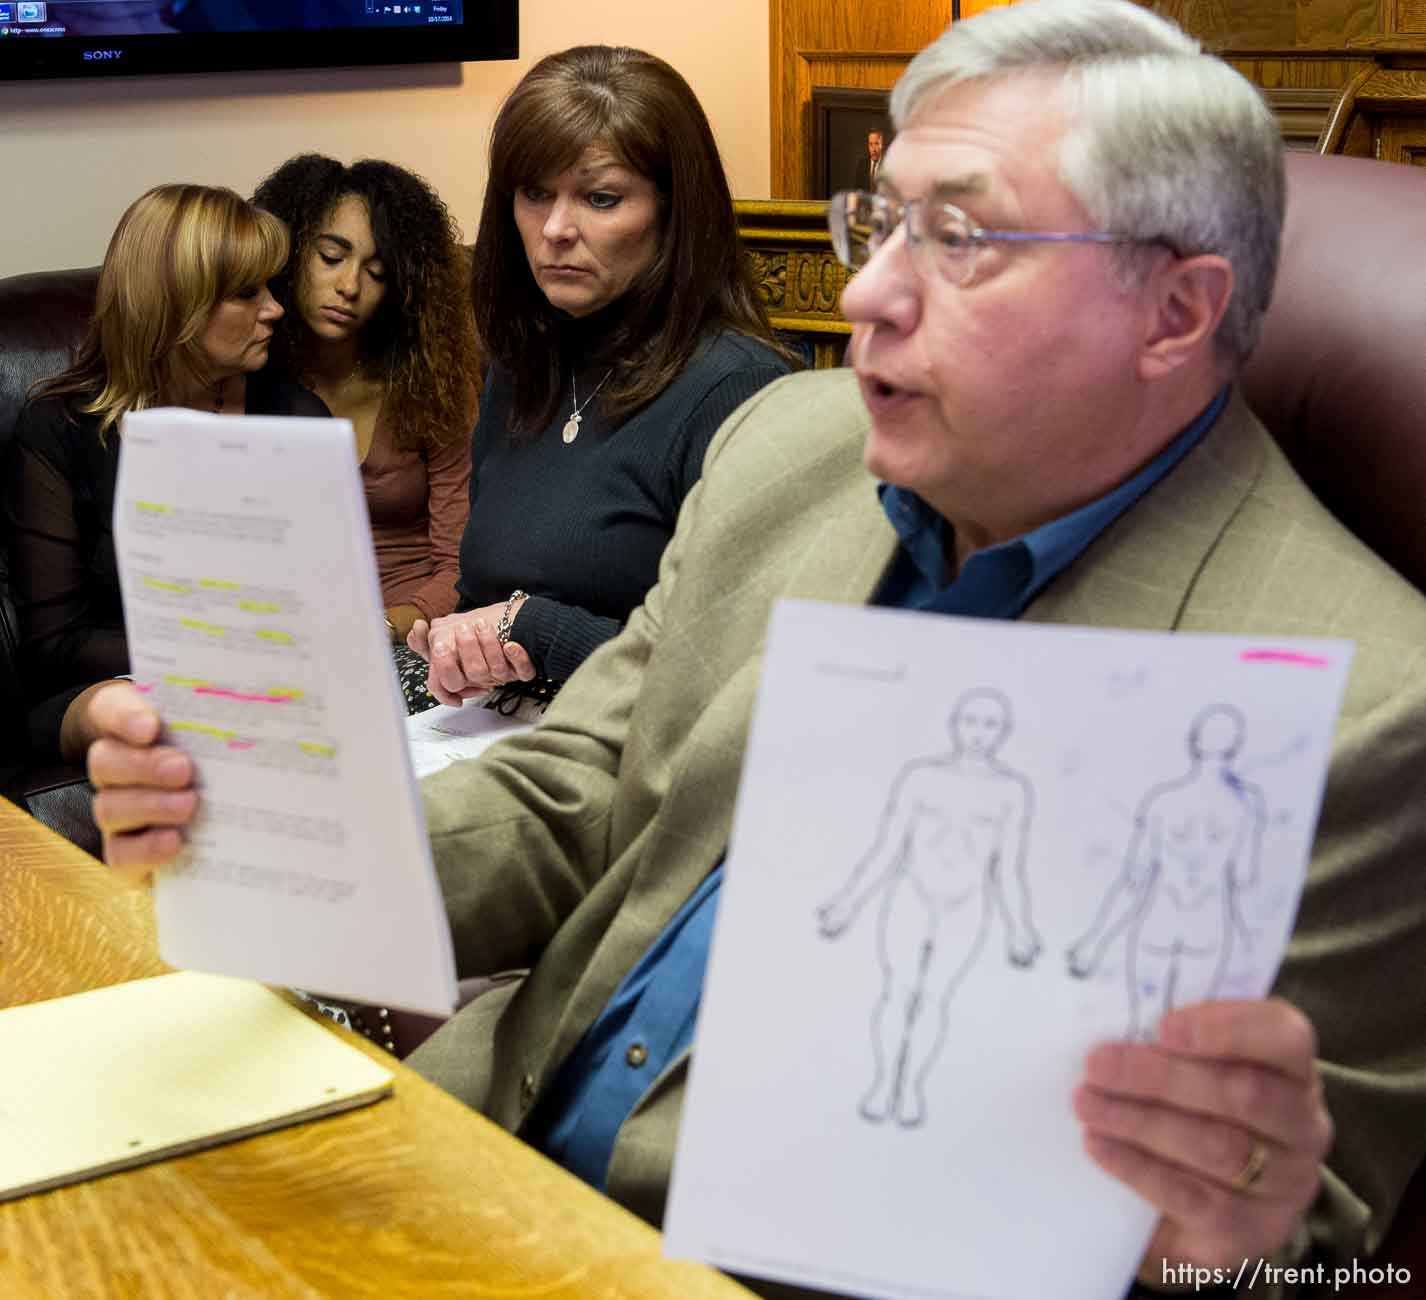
x=90 y=55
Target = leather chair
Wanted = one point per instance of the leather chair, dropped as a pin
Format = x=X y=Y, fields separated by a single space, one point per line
x=1340 y=375
x=42 y=318
x=1339 y=379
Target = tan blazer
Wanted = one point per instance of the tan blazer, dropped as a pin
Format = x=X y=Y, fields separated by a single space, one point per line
x=570 y=848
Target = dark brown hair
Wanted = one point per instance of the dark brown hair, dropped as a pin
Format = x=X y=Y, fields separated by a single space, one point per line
x=643 y=112
x=421 y=341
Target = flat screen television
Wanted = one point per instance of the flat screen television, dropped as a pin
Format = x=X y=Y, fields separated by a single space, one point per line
x=86 y=38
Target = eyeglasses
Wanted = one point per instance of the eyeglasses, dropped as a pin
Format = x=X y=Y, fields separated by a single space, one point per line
x=940 y=234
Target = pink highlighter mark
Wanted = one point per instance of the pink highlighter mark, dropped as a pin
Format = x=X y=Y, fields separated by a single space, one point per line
x=241 y=744
x=143 y=688
x=1285 y=657
x=238 y=695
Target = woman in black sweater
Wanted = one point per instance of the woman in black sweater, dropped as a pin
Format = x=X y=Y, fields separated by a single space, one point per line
x=182 y=317
x=613 y=298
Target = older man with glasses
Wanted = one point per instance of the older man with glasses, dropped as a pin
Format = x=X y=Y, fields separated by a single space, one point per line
x=1066 y=262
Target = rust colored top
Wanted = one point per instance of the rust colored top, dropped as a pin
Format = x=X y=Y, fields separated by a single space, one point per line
x=418 y=502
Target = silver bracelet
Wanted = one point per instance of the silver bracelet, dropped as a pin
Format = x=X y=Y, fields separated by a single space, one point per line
x=502 y=631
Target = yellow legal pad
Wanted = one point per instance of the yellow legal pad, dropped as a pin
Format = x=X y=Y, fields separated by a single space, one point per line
x=103 y=1081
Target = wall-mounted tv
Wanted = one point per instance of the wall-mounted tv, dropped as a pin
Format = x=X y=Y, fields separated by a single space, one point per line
x=85 y=38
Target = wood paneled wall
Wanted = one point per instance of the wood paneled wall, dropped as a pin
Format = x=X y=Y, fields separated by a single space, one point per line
x=1306 y=53
x=1359 y=65
x=863 y=43
x=1274 y=24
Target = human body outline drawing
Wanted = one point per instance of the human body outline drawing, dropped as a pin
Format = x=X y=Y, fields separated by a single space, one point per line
x=949 y=852
x=1195 y=848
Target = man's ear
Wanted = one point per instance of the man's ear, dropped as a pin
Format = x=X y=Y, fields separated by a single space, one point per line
x=1185 y=299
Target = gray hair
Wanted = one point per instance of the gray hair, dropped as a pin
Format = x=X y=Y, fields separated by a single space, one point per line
x=1165 y=143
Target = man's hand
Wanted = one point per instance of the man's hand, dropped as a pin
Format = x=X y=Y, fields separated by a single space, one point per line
x=466 y=656
x=1221 y=1125
x=146 y=793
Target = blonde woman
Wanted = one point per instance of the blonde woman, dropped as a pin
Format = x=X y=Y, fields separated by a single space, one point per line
x=182 y=317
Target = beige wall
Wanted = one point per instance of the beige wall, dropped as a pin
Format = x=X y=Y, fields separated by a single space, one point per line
x=73 y=154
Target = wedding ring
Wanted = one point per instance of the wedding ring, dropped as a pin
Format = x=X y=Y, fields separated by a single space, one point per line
x=1256 y=1165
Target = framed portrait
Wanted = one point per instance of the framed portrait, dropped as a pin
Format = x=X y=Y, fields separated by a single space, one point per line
x=851 y=130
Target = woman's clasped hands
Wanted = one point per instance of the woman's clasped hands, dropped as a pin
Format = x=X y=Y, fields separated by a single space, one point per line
x=465 y=653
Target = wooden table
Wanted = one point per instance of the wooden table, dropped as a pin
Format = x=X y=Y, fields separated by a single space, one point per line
x=414 y=1196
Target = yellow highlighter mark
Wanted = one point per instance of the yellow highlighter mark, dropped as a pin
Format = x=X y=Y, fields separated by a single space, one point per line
x=218 y=584
x=273 y=635
x=160 y=584
x=260 y=606
x=189 y=682
x=317 y=749
x=203 y=728
x=283 y=693
x=197 y=625
x=152 y=507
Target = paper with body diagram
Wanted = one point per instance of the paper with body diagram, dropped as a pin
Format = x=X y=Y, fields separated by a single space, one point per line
x=964 y=852
x=255 y=625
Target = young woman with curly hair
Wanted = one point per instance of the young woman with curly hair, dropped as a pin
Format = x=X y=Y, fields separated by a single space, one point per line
x=379 y=326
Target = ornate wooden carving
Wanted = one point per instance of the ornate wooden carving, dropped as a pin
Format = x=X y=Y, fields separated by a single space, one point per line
x=797 y=274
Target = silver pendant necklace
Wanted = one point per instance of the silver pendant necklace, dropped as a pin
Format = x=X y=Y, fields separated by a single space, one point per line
x=571 y=426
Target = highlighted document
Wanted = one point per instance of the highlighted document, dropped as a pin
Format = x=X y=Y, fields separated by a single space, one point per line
x=255 y=626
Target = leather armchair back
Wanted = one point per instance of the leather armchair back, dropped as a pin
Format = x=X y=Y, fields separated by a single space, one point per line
x=42 y=319
x=1340 y=375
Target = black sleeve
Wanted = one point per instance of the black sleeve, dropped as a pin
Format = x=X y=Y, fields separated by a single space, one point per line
x=307 y=403
x=271 y=394
x=560 y=637
x=691 y=446
x=478 y=437
x=58 y=493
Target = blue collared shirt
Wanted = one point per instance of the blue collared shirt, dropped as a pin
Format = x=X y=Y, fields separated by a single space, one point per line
x=650 y=1018
x=1001 y=580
